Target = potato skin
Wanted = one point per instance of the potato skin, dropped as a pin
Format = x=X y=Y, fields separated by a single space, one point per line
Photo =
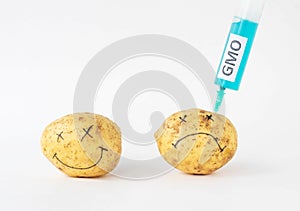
x=197 y=141
x=82 y=144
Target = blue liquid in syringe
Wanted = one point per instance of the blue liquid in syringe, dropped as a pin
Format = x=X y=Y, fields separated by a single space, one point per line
x=233 y=62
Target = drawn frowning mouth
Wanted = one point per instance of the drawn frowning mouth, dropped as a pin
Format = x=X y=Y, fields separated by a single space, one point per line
x=81 y=168
x=200 y=133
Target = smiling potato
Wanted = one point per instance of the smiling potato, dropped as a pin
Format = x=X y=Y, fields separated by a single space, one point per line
x=82 y=144
x=197 y=141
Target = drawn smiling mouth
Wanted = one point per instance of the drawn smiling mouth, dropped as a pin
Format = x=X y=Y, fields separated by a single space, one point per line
x=82 y=168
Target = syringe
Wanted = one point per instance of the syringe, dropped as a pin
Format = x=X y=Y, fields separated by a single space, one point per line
x=237 y=48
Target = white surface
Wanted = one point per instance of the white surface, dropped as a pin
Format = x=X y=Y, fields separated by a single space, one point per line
x=44 y=46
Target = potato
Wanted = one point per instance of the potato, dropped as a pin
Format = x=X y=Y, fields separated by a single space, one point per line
x=197 y=141
x=82 y=144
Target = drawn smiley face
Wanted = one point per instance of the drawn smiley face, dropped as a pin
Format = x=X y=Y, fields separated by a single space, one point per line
x=197 y=141
x=82 y=145
x=60 y=138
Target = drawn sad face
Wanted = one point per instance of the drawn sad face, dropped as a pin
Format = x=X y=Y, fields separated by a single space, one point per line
x=197 y=141
x=82 y=145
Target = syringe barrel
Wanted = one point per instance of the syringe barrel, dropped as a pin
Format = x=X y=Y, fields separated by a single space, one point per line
x=251 y=10
x=238 y=44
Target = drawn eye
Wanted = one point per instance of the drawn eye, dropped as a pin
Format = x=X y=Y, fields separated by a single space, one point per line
x=59 y=136
x=87 y=132
x=182 y=119
x=209 y=117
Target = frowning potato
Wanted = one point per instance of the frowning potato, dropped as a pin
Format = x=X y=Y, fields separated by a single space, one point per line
x=197 y=141
x=82 y=144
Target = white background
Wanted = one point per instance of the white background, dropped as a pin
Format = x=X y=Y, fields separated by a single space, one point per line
x=44 y=45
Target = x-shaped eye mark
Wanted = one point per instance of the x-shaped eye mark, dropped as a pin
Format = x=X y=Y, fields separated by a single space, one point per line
x=59 y=135
x=209 y=117
x=87 y=132
x=182 y=119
